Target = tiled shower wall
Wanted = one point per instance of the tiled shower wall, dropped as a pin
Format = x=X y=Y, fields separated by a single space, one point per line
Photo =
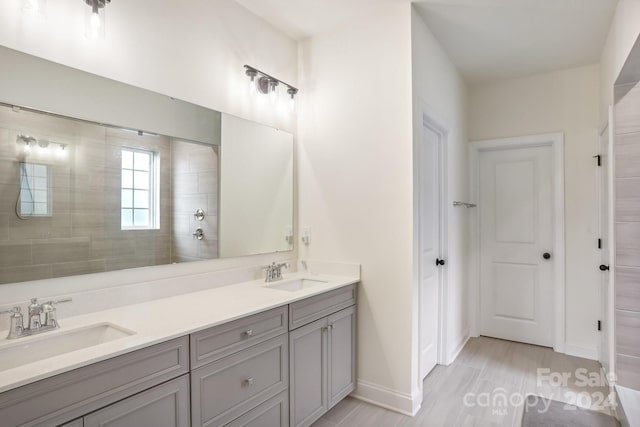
x=194 y=186
x=627 y=217
x=83 y=233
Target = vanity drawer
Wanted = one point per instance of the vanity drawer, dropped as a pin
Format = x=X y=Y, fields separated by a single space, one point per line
x=220 y=341
x=226 y=389
x=319 y=306
x=272 y=413
x=56 y=400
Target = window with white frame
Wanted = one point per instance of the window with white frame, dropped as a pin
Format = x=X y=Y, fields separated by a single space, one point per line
x=35 y=190
x=139 y=190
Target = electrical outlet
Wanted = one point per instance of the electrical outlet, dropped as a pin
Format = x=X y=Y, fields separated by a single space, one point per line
x=306 y=235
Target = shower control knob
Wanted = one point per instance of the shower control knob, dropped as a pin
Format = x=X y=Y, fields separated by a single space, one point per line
x=199 y=215
x=198 y=234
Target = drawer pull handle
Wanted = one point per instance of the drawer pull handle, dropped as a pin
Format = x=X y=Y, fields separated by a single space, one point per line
x=248 y=381
x=248 y=334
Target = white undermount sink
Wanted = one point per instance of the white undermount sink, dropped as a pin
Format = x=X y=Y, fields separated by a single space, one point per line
x=295 y=285
x=39 y=347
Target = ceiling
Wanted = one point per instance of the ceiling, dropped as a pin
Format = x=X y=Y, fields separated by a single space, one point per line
x=487 y=40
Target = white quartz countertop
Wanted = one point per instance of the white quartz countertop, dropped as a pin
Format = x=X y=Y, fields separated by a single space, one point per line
x=160 y=320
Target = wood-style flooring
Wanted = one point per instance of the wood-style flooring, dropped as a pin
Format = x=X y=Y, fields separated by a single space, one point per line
x=487 y=371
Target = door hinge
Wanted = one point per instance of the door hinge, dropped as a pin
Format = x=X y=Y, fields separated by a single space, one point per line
x=599 y=243
x=599 y=325
x=598 y=158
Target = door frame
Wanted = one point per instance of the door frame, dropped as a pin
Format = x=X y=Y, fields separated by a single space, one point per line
x=609 y=127
x=431 y=121
x=556 y=142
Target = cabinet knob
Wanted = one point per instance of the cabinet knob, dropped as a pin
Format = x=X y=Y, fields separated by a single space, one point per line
x=248 y=334
x=248 y=381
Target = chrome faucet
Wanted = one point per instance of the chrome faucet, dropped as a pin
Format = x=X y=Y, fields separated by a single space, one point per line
x=274 y=271
x=17 y=328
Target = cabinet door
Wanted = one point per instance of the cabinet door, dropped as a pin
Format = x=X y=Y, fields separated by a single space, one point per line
x=308 y=373
x=342 y=355
x=166 y=405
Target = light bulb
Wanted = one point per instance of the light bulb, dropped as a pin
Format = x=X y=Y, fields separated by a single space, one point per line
x=61 y=152
x=273 y=94
x=252 y=86
x=27 y=148
x=95 y=20
x=292 y=100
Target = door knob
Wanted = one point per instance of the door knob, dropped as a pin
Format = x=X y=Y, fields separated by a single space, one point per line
x=440 y=261
x=604 y=267
x=546 y=255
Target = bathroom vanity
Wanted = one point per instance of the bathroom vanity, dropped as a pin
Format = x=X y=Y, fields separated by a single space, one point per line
x=113 y=201
x=286 y=365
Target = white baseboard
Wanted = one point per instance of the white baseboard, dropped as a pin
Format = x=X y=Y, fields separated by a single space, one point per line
x=387 y=398
x=579 y=351
x=456 y=352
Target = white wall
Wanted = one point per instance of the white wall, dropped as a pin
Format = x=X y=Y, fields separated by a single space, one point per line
x=355 y=182
x=563 y=101
x=192 y=50
x=439 y=91
x=625 y=28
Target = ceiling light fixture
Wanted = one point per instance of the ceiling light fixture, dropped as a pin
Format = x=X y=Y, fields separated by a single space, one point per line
x=268 y=85
x=95 y=18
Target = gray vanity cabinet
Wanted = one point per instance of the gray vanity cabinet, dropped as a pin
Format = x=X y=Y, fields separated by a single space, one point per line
x=166 y=405
x=321 y=354
x=240 y=372
x=283 y=367
x=308 y=373
x=342 y=355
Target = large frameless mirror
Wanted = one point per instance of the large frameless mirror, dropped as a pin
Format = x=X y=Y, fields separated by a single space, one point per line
x=172 y=182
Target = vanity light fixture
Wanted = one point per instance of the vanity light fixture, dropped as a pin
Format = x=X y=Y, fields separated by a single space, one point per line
x=265 y=84
x=28 y=142
x=95 y=18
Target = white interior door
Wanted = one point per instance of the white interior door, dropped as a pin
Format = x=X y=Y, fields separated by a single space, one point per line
x=516 y=242
x=604 y=243
x=430 y=248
